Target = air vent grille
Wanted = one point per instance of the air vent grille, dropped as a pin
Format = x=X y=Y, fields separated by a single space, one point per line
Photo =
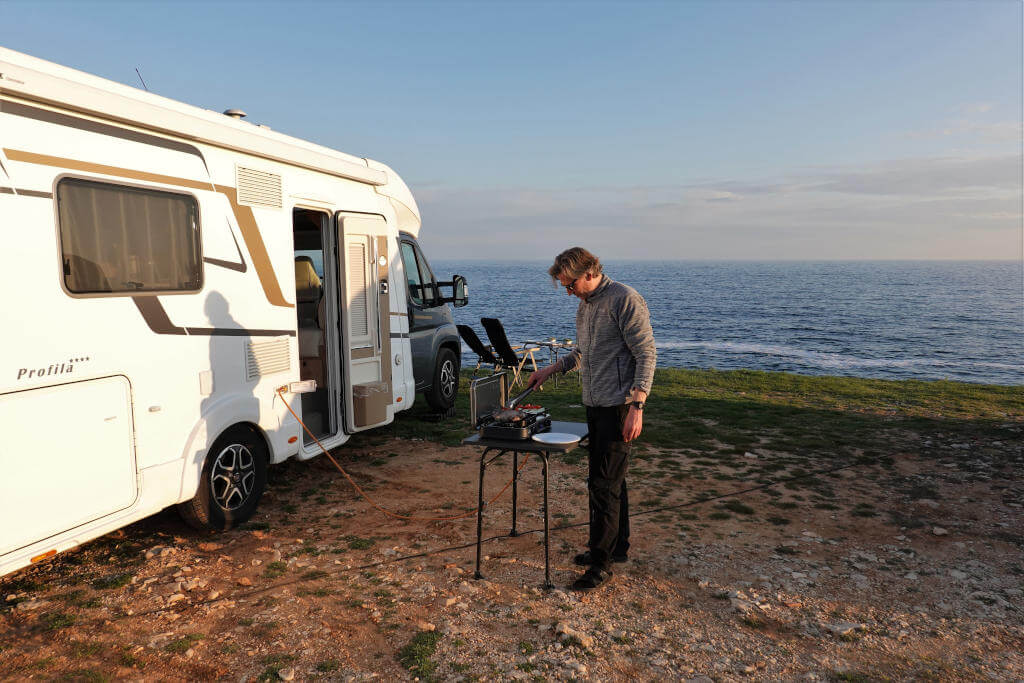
x=359 y=310
x=258 y=188
x=266 y=358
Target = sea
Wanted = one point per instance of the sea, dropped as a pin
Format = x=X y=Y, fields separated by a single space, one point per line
x=926 y=320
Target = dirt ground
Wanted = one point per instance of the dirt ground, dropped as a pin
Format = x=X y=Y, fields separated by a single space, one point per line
x=906 y=566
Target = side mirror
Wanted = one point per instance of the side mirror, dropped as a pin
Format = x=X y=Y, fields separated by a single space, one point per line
x=460 y=292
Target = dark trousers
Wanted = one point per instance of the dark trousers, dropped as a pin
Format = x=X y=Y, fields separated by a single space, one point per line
x=609 y=504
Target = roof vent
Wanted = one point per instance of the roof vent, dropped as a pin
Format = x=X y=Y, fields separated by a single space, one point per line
x=236 y=114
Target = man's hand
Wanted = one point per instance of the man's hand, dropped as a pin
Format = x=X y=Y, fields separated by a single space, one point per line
x=541 y=376
x=633 y=424
x=634 y=421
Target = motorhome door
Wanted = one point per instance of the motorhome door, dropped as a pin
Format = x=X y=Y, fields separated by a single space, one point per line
x=366 y=345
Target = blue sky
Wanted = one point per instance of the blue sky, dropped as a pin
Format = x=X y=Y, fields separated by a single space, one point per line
x=643 y=130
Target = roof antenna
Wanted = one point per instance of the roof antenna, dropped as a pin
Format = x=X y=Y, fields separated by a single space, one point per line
x=140 y=78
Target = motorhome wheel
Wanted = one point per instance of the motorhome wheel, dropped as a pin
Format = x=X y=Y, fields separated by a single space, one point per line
x=233 y=480
x=445 y=388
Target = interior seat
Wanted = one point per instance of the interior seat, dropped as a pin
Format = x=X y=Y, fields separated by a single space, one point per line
x=308 y=297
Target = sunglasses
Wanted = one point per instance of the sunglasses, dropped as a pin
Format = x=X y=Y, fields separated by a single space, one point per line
x=571 y=287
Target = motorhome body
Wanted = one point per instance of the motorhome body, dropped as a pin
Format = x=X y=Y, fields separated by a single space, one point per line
x=167 y=270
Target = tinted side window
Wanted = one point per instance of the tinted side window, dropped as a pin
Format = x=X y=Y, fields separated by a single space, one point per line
x=126 y=239
x=412 y=274
x=430 y=293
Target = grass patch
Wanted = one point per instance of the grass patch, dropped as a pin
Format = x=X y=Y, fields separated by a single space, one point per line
x=357 y=543
x=84 y=649
x=86 y=676
x=112 y=581
x=275 y=570
x=57 y=620
x=738 y=507
x=416 y=656
x=183 y=644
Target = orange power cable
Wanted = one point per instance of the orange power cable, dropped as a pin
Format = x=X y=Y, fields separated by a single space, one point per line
x=280 y=392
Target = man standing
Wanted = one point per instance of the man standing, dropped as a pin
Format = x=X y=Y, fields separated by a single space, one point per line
x=615 y=355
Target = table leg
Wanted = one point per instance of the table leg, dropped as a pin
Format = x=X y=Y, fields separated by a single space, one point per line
x=480 y=513
x=547 y=560
x=515 y=490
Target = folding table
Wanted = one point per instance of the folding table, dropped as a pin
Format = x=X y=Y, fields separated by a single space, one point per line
x=544 y=450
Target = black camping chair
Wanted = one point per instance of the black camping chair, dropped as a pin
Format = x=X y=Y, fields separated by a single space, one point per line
x=512 y=357
x=484 y=354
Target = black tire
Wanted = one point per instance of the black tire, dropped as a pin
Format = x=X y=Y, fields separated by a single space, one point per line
x=442 y=393
x=233 y=480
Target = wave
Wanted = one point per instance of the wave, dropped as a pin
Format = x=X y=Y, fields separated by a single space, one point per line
x=833 y=360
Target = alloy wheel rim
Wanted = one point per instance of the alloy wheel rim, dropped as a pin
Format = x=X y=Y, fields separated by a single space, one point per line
x=233 y=477
x=448 y=379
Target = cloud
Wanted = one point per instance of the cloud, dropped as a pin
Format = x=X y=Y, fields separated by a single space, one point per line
x=975 y=108
x=966 y=207
x=928 y=177
x=987 y=132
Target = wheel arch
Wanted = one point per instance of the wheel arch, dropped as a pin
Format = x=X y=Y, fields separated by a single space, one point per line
x=231 y=412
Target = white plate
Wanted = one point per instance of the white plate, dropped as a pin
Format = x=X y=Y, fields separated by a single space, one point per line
x=556 y=438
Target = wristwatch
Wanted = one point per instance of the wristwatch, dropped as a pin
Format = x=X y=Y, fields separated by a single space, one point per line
x=639 y=405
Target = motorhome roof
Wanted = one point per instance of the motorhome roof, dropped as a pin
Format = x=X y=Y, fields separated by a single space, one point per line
x=37 y=80
x=42 y=81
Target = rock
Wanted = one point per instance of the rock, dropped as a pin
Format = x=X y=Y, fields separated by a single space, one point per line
x=210 y=547
x=213 y=595
x=30 y=605
x=468 y=589
x=748 y=454
x=425 y=626
x=275 y=556
x=910 y=576
x=450 y=601
x=939 y=531
x=286 y=674
x=245 y=581
x=844 y=627
x=177 y=597
x=740 y=605
x=568 y=635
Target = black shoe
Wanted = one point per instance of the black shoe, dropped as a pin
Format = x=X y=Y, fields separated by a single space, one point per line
x=591 y=579
x=585 y=559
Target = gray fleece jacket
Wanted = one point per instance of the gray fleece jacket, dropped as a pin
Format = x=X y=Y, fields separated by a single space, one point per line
x=614 y=345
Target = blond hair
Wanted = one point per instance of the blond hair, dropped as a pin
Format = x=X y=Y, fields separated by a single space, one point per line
x=575 y=263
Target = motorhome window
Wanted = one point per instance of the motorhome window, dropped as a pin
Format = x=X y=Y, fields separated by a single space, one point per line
x=412 y=274
x=117 y=239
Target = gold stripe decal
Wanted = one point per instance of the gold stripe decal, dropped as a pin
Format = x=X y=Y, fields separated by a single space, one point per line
x=257 y=249
x=243 y=214
x=59 y=162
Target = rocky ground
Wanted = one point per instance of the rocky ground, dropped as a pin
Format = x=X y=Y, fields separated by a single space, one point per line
x=903 y=565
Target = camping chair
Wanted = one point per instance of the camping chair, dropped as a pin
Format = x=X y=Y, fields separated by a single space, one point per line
x=513 y=358
x=484 y=354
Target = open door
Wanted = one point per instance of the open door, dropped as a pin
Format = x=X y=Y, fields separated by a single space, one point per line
x=366 y=333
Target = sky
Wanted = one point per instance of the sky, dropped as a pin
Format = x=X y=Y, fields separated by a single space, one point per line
x=644 y=130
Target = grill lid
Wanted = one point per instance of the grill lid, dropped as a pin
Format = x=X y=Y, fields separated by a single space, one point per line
x=486 y=395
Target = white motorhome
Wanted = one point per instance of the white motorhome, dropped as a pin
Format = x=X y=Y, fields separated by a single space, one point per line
x=171 y=276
